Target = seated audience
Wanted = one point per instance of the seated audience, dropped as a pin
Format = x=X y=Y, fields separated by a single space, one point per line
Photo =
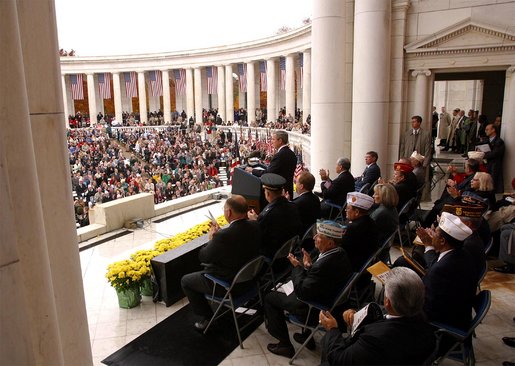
x=403 y=183
x=385 y=213
x=279 y=221
x=418 y=170
x=371 y=173
x=507 y=249
x=307 y=203
x=335 y=191
x=223 y=256
x=403 y=337
x=318 y=281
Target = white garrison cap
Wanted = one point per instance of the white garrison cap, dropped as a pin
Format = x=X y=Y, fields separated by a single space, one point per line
x=330 y=228
x=361 y=200
x=453 y=226
x=476 y=155
x=417 y=156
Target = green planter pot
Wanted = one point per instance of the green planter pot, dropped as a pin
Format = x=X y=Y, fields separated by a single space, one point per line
x=146 y=287
x=129 y=298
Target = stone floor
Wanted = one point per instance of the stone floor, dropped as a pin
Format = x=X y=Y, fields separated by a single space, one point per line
x=111 y=327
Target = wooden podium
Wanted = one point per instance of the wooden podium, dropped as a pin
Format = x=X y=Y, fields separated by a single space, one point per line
x=248 y=186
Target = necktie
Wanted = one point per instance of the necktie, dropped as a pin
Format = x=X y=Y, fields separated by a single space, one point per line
x=416 y=139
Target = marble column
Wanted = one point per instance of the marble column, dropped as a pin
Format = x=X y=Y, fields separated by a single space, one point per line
x=39 y=42
x=92 y=100
x=370 y=82
x=221 y=92
x=142 y=96
x=328 y=84
x=167 y=108
x=251 y=92
x=190 y=101
x=271 y=90
x=65 y=101
x=421 y=104
x=198 y=95
x=508 y=127
x=290 y=85
x=229 y=94
x=306 y=85
x=117 y=93
x=29 y=330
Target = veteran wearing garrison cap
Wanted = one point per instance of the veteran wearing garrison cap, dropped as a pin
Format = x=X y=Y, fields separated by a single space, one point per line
x=318 y=281
x=405 y=182
x=452 y=280
x=280 y=219
x=361 y=235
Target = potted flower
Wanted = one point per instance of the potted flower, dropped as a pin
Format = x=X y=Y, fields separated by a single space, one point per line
x=142 y=259
x=126 y=276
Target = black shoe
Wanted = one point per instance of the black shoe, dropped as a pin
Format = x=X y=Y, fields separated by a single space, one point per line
x=445 y=149
x=464 y=155
x=301 y=338
x=201 y=325
x=507 y=268
x=281 y=350
x=509 y=341
x=508 y=363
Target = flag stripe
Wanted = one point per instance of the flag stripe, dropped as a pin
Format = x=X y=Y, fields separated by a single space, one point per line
x=212 y=79
x=262 y=75
x=155 y=82
x=104 y=85
x=301 y=67
x=180 y=81
x=77 y=87
x=242 y=73
x=282 y=67
x=131 y=90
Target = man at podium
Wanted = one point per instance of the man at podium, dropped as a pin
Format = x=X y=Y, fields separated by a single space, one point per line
x=283 y=162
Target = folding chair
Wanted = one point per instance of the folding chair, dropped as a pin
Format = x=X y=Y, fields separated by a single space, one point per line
x=271 y=278
x=340 y=298
x=341 y=209
x=365 y=188
x=482 y=275
x=247 y=273
x=308 y=235
x=489 y=246
x=462 y=348
x=404 y=217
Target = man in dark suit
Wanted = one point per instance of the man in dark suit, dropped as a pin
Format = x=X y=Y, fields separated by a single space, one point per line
x=317 y=281
x=371 y=173
x=335 y=191
x=280 y=220
x=451 y=281
x=283 y=162
x=403 y=337
x=495 y=156
x=307 y=203
x=223 y=256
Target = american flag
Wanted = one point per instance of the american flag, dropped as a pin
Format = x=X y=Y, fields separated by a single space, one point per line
x=299 y=168
x=104 y=85
x=131 y=90
x=262 y=75
x=212 y=79
x=301 y=67
x=236 y=159
x=180 y=81
x=282 y=67
x=242 y=73
x=156 y=83
x=77 y=88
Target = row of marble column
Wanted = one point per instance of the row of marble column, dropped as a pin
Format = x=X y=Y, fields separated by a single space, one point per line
x=195 y=89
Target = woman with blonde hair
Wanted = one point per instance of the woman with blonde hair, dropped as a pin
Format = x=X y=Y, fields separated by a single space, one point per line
x=483 y=185
x=385 y=215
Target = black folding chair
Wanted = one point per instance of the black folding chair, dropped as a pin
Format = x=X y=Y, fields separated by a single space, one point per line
x=340 y=298
x=404 y=219
x=247 y=273
x=365 y=188
x=271 y=277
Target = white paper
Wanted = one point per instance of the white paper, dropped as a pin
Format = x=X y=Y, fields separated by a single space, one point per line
x=358 y=318
x=286 y=288
x=247 y=311
x=211 y=217
x=483 y=148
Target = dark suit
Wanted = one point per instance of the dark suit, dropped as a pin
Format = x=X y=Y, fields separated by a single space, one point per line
x=308 y=206
x=451 y=286
x=360 y=241
x=398 y=341
x=283 y=163
x=337 y=191
x=279 y=221
x=494 y=162
x=405 y=191
x=370 y=175
x=223 y=256
x=320 y=283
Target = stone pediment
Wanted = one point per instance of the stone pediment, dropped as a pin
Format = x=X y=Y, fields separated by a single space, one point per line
x=467 y=36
